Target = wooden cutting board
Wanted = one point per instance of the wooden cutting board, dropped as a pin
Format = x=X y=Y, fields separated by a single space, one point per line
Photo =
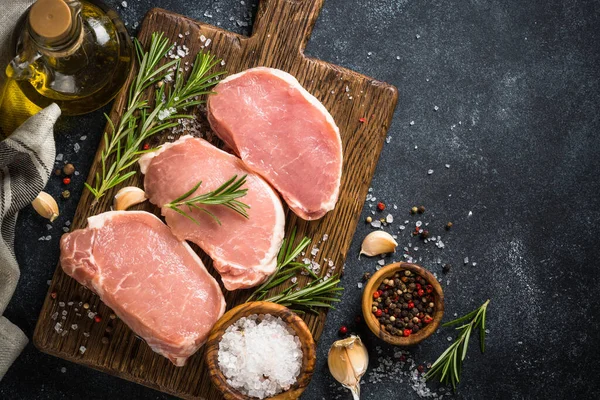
x=361 y=106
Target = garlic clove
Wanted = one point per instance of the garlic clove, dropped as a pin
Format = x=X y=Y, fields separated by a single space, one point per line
x=348 y=360
x=46 y=206
x=378 y=242
x=127 y=197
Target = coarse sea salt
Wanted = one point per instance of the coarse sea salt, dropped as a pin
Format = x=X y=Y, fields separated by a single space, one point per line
x=243 y=359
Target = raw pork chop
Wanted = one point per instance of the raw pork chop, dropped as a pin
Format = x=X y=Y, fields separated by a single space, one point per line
x=155 y=283
x=244 y=251
x=282 y=132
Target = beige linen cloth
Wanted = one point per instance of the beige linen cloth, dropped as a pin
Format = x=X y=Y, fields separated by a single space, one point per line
x=26 y=161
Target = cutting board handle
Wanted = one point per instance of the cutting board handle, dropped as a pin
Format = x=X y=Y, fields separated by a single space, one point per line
x=285 y=23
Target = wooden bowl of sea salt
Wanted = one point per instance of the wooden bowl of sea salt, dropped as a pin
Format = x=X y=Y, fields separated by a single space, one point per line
x=260 y=350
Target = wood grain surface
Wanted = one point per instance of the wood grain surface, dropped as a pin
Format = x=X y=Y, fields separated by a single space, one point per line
x=281 y=31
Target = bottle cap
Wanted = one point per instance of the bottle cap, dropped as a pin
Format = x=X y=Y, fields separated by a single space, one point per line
x=50 y=19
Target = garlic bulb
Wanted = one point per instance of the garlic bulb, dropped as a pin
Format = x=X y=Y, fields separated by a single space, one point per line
x=348 y=360
x=127 y=197
x=46 y=206
x=378 y=242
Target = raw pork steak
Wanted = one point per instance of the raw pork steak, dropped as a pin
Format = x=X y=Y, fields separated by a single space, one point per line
x=155 y=283
x=244 y=251
x=282 y=132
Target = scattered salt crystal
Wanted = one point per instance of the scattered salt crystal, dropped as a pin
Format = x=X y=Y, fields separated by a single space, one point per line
x=86 y=334
x=83 y=138
x=376 y=224
x=59 y=157
x=470 y=213
x=65 y=229
x=418 y=224
x=359 y=285
x=61 y=303
x=402 y=227
x=449 y=338
x=325 y=237
x=82 y=349
x=294 y=279
x=436 y=108
x=412 y=123
x=54 y=316
x=388 y=139
x=74 y=327
x=389 y=219
x=76 y=147
x=76 y=173
x=64 y=313
x=241 y=356
x=124 y=4
x=58 y=327
x=91 y=314
x=202 y=38
x=397 y=57
x=70 y=303
x=429 y=172
x=381 y=262
x=447 y=165
x=474 y=264
x=466 y=260
x=68 y=223
x=208 y=41
x=314 y=251
x=417 y=36
x=48 y=226
x=63 y=370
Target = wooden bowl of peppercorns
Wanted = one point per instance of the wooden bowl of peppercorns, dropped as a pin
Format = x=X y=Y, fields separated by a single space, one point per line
x=403 y=304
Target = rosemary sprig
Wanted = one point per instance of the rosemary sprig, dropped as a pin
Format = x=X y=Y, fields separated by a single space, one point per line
x=448 y=366
x=139 y=121
x=226 y=195
x=318 y=293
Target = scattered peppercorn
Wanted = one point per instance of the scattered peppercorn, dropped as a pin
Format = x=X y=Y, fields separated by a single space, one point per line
x=369 y=219
x=104 y=340
x=414 y=210
x=58 y=172
x=366 y=276
x=66 y=194
x=448 y=226
x=109 y=329
x=86 y=306
x=343 y=330
x=66 y=180
x=68 y=169
x=53 y=295
x=113 y=316
x=421 y=209
x=362 y=119
x=380 y=206
x=446 y=268
x=424 y=234
x=420 y=368
x=382 y=220
x=97 y=318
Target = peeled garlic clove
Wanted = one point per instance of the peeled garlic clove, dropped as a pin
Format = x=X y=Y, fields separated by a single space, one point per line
x=348 y=360
x=127 y=197
x=378 y=242
x=46 y=206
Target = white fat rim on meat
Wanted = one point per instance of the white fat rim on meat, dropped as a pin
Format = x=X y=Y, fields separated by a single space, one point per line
x=328 y=205
x=98 y=221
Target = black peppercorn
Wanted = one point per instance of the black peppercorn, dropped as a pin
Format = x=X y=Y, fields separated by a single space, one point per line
x=446 y=268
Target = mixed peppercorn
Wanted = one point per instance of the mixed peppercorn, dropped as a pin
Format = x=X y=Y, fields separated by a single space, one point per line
x=404 y=303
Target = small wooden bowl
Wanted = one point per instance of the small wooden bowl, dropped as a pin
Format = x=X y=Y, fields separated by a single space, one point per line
x=261 y=307
x=367 y=304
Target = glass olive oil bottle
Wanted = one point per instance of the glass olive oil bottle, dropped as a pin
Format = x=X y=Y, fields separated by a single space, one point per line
x=77 y=54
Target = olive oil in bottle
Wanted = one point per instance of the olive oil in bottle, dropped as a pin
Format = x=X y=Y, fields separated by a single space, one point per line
x=77 y=54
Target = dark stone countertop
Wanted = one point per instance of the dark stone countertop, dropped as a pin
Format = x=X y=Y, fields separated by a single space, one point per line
x=517 y=89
